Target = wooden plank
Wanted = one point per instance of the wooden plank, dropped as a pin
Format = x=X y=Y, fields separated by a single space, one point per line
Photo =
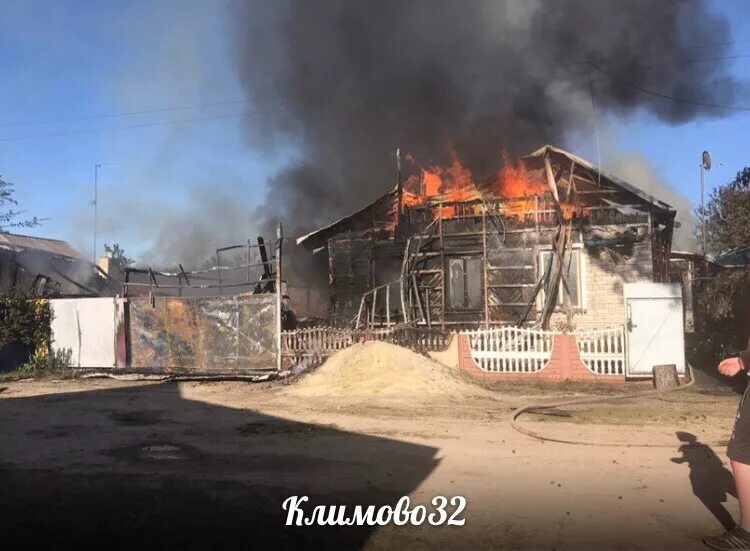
x=427 y=307
x=388 y=305
x=484 y=265
x=442 y=268
x=417 y=296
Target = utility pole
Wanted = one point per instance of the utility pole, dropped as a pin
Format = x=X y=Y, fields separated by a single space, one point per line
x=95 y=203
x=705 y=165
x=399 y=189
x=96 y=209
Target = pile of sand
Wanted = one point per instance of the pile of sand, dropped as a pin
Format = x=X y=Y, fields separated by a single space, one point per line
x=379 y=369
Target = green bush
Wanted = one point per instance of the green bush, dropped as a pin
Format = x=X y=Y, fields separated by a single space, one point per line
x=25 y=320
x=45 y=364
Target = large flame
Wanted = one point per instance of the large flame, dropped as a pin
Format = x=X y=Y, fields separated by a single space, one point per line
x=514 y=182
x=455 y=183
x=518 y=187
x=450 y=184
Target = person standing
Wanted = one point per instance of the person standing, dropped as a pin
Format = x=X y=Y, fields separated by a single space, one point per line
x=738 y=451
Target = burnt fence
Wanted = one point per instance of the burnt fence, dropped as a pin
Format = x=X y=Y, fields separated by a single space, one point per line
x=304 y=348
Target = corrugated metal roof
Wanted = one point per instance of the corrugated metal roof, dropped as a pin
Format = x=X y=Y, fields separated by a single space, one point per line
x=26 y=242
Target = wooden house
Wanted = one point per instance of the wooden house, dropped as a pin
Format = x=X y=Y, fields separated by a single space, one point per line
x=548 y=241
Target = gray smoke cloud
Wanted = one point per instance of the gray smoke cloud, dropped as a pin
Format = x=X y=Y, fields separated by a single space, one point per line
x=633 y=167
x=357 y=79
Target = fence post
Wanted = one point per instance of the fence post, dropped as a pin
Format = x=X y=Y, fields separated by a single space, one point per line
x=279 y=239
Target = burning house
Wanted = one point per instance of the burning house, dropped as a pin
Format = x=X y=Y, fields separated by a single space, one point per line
x=548 y=241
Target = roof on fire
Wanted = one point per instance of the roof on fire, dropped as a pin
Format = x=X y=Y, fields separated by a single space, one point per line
x=320 y=233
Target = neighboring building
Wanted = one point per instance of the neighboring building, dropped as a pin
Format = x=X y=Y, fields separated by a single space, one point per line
x=442 y=250
x=689 y=269
x=737 y=257
x=46 y=267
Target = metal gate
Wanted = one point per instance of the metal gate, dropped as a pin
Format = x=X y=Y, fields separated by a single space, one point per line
x=654 y=327
x=86 y=327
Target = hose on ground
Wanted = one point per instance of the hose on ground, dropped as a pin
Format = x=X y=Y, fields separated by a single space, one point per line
x=598 y=399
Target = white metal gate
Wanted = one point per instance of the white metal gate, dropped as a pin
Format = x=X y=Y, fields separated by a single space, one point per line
x=654 y=327
x=86 y=327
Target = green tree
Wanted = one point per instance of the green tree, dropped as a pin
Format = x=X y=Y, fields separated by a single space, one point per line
x=118 y=255
x=9 y=215
x=742 y=180
x=723 y=308
x=728 y=218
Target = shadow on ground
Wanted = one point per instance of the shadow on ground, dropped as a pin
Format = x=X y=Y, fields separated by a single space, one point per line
x=710 y=480
x=141 y=466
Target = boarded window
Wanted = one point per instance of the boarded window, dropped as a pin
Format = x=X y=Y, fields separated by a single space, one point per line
x=465 y=283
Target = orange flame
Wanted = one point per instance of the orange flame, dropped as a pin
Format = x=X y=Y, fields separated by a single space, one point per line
x=454 y=183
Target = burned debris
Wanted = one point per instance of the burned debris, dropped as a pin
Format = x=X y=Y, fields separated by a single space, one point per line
x=42 y=267
x=242 y=269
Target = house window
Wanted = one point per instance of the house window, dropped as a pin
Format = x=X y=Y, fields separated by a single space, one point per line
x=465 y=283
x=573 y=267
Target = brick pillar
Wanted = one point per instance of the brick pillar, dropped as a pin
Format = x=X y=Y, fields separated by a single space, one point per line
x=562 y=351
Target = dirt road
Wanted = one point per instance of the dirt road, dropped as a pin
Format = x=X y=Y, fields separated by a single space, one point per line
x=208 y=465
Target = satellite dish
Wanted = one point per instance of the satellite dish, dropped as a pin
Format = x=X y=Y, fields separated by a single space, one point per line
x=706 y=160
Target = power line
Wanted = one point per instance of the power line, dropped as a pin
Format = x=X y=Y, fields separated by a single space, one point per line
x=130 y=113
x=144 y=125
x=670 y=63
x=666 y=96
x=699 y=60
x=273 y=98
x=715 y=44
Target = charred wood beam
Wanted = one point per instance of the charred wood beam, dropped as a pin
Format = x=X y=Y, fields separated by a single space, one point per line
x=183 y=274
x=193 y=286
x=558 y=254
x=552 y=277
x=417 y=296
x=74 y=282
x=264 y=258
x=571 y=180
x=532 y=300
x=551 y=184
x=404 y=263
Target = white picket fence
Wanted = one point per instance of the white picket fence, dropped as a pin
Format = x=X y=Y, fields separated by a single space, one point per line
x=510 y=349
x=316 y=341
x=603 y=351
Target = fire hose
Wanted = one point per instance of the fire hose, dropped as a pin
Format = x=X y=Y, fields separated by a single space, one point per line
x=599 y=399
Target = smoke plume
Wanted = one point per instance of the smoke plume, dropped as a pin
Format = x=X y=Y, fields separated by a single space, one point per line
x=357 y=79
x=633 y=167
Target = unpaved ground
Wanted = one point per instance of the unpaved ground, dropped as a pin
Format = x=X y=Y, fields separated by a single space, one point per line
x=113 y=464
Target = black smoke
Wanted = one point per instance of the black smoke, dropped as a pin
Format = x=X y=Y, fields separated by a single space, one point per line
x=349 y=81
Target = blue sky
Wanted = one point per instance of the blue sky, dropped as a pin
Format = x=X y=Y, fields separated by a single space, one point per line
x=75 y=59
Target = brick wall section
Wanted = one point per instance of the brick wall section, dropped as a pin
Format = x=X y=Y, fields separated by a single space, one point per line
x=605 y=276
x=564 y=365
x=552 y=371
